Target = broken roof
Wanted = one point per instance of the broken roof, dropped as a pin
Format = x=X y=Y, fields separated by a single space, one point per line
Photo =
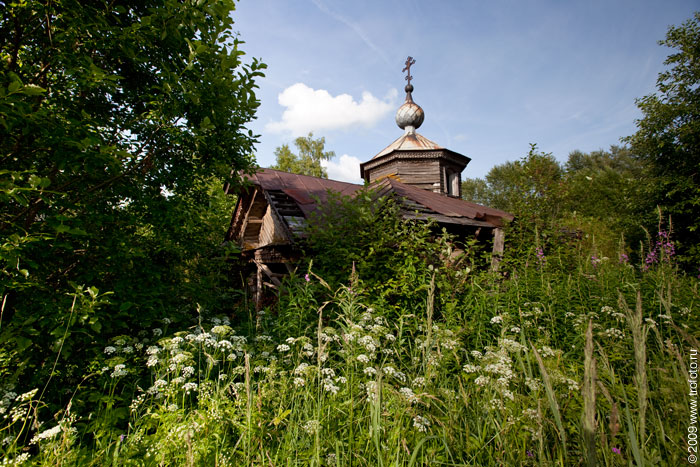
x=307 y=191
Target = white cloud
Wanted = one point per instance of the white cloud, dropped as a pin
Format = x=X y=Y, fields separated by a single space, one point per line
x=310 y=109
x=347 y=169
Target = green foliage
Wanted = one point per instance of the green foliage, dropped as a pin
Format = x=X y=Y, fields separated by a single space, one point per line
x=365 y=236
x=308 y=161
x=595 y=196
x=119 y=123
x=475 y=190
x=355 y=384
x=668 y=136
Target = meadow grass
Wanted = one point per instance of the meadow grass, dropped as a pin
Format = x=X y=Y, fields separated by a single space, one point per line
x=549 y=366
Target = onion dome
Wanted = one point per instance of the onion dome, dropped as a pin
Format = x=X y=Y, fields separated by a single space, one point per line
x=410 y=115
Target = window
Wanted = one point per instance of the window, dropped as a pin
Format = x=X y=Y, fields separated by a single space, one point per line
x=452 y=183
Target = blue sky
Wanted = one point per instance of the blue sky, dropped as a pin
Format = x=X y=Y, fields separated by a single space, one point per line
x=491 y=76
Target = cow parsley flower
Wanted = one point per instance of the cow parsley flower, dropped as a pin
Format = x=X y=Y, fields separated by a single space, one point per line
x=46 y=434
x=408 y=394
x=362 y=358
x=299 y=382
x=370 y=371
x=119 y=370
x=421 y=423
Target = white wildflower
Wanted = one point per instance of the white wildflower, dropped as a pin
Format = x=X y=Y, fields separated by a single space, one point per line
x=328 y=386
x=189 y=387
x=418 y=382
x=421 y=423
x=311 y=427
x=157 y=332
x=187 y=371
x=119 y=370
x=496 y=404
x=532 y=384
x=482 y=380
x=301 y=369
x=109 y=350
x=46 y=434
x=614 y=333
x=408 y=394
x=299 y=381
x=152 y=361
x=368 y=343
x=283 y=348
x=157 y=386
x=179 y=358
x=511 y=345
x=370 y=371
x=362 y=358
x=470 y=368
x=221 y=331
x=308 y=350
x=497 y=319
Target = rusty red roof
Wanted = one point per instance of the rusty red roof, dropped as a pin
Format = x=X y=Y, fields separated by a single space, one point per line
x=301 y=188
x=305 y=190
x=444 y=204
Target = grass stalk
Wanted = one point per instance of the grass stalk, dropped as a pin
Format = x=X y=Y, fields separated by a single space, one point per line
x=639 y=333
x=589 y=396
x=551 y=397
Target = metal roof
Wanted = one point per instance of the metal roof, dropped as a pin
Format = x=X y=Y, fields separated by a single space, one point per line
x=410 y=141
x=308 y=191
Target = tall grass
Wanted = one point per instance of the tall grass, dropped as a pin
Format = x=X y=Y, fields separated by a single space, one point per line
x=546 y=367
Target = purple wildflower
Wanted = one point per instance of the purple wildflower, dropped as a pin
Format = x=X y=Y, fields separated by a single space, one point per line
x=541 y=258
x=616 y=450
x=306 y=277
x=529 y=453
x=624 y=259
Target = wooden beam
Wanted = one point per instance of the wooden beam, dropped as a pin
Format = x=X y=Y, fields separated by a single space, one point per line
x=259 y=288
x=272 y=276
x=498 y=245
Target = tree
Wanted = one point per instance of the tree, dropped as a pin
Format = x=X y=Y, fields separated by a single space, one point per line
x=308 y=162
x=475 y=190
x=116 y=119
x=668 y=136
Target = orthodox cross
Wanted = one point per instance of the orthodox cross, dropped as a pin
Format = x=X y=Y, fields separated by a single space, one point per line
x=409 y=61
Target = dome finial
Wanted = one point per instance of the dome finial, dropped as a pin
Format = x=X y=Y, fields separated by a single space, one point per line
x=410 y=115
